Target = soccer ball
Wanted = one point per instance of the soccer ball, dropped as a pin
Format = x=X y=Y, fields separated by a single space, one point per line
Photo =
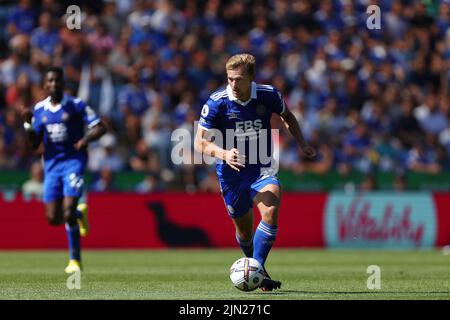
x=246 y=274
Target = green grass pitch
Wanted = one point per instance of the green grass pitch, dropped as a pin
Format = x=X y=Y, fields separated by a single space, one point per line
x=203 y=275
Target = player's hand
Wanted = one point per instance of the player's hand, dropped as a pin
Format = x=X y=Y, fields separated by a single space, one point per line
x=81 y=144
x=309 y=152
x=234 y=159
x=26 y=114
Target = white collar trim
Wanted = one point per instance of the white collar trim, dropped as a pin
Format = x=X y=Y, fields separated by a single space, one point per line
x=54 y=108
x=243 y=103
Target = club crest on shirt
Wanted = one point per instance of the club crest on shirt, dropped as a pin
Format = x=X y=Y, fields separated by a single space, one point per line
x=260 y=109
x=44 y=119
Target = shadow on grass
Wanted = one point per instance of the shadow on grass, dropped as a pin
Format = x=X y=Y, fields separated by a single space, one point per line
x=284 y=292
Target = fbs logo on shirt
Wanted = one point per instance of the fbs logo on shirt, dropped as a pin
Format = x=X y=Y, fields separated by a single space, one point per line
x=249 y=125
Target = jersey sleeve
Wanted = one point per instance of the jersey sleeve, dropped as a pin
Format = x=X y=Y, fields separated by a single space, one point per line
x=90 y=117
x=279 y=105
x=36 y=123
x=209 y=115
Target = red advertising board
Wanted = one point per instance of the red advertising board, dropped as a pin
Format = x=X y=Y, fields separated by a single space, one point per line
x=120 y=220
x=442 y=205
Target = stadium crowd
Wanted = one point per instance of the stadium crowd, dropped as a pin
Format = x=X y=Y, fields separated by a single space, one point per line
x=368 y=100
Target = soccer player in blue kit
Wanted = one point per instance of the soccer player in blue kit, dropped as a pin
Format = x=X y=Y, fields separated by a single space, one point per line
x=59 y=122
x=245 y=108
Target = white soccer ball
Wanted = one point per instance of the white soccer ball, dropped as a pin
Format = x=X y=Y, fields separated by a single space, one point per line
x=246 y=274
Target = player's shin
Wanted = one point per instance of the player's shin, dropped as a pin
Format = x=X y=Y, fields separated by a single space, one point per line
x=73 y=237
x=246 y=246
x=263 y=240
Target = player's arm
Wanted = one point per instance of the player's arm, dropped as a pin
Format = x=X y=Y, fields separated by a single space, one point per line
x=34 y=138
x=92 y=134
x=96 y=127
x=290 y=122
x=203 y=145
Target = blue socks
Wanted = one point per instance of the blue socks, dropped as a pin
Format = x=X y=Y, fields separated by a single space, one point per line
x=78 y=214
x=263 y=239
x=73 y=237
x=246 y=246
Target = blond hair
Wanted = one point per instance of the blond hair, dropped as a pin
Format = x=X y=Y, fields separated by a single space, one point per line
x=243 y=59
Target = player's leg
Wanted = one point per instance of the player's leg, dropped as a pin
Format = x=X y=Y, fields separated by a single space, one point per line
x=53 y=197
x=73 y=184
x=73 y=233
x=54 y=212
x=266 y=195
x=237 y=201
x=267 y=200
x=244 y=232
x=82 y=216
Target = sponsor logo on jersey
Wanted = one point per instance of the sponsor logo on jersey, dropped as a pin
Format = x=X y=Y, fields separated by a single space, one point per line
x=248 y=126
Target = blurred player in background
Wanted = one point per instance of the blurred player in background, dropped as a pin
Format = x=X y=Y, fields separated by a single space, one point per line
x=246 y=108
x=59 y=122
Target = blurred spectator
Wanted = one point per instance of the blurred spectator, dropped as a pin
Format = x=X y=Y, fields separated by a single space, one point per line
x=324 y=160
x=104 y=181
x=75 y=57
x=189 y=179
x=111 y=19
x=396 y=22
x=369 y=183
x=387 y=154
x=20 y=94
x=400 y=182
x=290 y=156
x=407 y=128
x=105 y=155
x=156 y=130
x=45 y=41
x=22 y=19
x=133 y=103
x=149 y=66
x=139 y=161
x=356 y=146
x=120 y=63
x=430 y=116
x=422 y=158
x=18 y=62
x=331 y=119
x=55 y=8
x=150 y=184
x=34 y=187
x=99 y=39
x=209 y=184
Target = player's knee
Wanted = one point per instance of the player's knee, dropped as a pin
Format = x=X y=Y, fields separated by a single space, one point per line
x=53 y=219
x=245 y=235
x=69 y=216
x=270 y=215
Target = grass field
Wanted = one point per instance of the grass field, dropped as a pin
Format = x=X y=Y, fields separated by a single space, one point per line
x=203 y=274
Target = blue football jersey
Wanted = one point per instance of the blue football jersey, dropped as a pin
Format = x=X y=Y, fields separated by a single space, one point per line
x=243 y=125
x=62 y=126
